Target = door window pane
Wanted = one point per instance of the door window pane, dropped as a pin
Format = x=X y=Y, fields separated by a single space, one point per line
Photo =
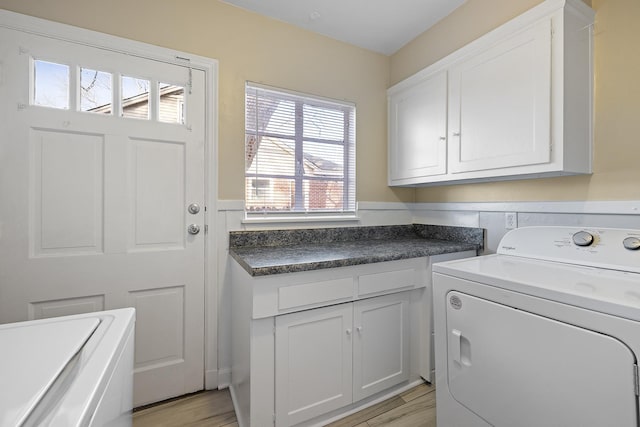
x=171 y=103
x=51 y=84
x=96 y=91
x=135 y=98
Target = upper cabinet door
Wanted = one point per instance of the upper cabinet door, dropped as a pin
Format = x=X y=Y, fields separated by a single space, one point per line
x=500 y=104
x=418 y=129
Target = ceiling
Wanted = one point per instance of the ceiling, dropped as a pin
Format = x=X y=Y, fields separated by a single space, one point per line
x=382 y=26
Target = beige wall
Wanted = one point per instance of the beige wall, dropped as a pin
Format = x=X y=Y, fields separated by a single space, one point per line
x=250 y=47
x=617 y=110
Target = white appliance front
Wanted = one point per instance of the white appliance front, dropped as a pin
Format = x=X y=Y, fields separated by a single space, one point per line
x=527 y=342
x=68 y=371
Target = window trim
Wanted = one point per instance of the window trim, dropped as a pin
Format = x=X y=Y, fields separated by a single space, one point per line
x=348 y=144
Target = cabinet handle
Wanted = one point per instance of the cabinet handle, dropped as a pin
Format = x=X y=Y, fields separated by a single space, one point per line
x=348 y=331
x=456 y=134
x=359 y=328
x=443 y=138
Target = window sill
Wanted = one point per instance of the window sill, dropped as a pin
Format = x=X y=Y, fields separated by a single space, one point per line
x=269 y=219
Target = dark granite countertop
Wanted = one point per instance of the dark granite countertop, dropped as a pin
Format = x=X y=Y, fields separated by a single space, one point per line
x=263 y=253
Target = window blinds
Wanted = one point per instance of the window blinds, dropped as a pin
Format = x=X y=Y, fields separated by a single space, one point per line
x=299 y=153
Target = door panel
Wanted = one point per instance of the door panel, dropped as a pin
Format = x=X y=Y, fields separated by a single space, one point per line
x=512 y=368
x=419 y=129
x=313 y=363
x=381 y=344
x=65 y=307
x=500 y=104
x=93 y=207
x=69 y=174
x=158 y=171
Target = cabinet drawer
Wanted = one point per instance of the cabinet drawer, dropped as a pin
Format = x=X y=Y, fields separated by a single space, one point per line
x=315 y=293
x=386 y=281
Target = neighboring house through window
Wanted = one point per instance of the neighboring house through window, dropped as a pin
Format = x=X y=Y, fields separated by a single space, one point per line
x=299 y=153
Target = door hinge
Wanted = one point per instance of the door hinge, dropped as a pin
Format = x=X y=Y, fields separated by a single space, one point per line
x=636 y=381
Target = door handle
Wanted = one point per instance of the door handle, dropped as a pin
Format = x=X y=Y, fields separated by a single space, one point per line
x=460 y=348
x=193 y=229
x=456 y=337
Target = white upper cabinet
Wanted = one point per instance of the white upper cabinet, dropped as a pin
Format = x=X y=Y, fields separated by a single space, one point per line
x=500 y=104
x=418 y=125
x=518 y=104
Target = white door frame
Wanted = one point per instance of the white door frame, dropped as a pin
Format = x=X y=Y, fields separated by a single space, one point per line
x=29 y=24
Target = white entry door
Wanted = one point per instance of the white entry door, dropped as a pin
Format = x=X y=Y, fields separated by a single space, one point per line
x=101 y=155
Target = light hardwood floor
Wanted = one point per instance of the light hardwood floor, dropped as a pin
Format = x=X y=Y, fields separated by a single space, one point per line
x=414 y=408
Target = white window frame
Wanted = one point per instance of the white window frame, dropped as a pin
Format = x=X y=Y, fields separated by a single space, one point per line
x=349 y=211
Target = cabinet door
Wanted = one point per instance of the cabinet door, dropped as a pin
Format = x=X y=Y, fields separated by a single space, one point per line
x=500 y=104
x=418 y=129
x=381 y=344
x=313 y=363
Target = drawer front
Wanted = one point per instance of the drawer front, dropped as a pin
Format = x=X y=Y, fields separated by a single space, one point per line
x=315 y=293
x=370 y=284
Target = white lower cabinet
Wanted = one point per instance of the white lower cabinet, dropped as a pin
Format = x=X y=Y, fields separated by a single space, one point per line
x=329 y=357
x=312 y=346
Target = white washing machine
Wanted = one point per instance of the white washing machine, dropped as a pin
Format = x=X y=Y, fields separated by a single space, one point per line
x=544 y=333
x=68 y=371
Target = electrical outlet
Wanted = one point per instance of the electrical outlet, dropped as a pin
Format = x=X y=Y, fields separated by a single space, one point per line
x=510 y=220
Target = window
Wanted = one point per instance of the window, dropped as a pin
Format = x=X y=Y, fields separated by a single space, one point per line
x=94 y=91
x=135 y=98
x=171 y=103
x=299 y=153
x=51 y=84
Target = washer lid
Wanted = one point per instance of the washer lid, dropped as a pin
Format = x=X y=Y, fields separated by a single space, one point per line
x=33 y=357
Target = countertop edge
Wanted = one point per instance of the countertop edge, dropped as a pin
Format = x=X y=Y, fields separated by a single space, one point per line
x=347 y=262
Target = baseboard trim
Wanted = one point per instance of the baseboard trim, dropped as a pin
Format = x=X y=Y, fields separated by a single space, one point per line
x=224 y=378
x=211 y=379
x=234 y=400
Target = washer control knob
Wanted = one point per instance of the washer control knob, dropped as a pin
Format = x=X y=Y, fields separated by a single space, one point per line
x=631 y=243
x=583 y=238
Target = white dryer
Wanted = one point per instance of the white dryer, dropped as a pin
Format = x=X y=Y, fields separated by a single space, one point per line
x=68 y=371
x=544 y=333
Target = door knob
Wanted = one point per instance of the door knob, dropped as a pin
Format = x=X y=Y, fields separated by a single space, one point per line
x=194 y=208
x=193 y=229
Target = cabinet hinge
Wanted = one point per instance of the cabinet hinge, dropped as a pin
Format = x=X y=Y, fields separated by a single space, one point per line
x=636 y=381
x=274 y=332
x=206 y=229
x=274 y=418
